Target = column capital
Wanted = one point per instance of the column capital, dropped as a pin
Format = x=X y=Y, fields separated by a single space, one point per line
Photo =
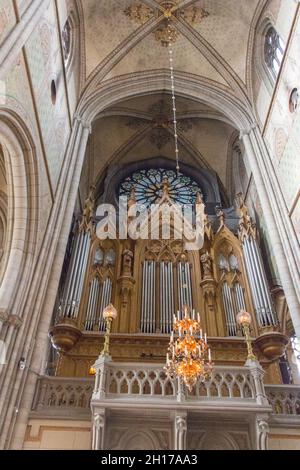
x=262 y=432
x=83 y=122
x=4 y=314
x=247 y=131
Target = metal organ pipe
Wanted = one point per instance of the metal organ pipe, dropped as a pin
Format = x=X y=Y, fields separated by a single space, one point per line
x=189 y=284
x=143 y=299
x=258 y=281
x=226 y=309
x=231 y=310
x=83 y=271
x=76 y=274
x=167 y=298
x=89 y=307
x=259 y=286
x=252 y=283
x=172 y=302
x=68 y=286
x=148 y=297
x=265 y=288
x=240 y=297
x=152 y=294
x=161 y=294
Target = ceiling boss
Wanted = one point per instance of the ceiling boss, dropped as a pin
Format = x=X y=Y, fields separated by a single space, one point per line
x=170 y=12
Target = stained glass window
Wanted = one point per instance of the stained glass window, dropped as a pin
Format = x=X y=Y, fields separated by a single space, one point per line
x=148 y=186
x=66 y=40
x=274 y=50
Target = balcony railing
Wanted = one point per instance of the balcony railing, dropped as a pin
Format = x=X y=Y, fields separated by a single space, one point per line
x=55 y=395
x=284 y=399
x=146 y=381
x=130 y=384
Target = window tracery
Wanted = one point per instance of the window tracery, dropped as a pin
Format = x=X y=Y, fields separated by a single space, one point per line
x=148 y=185
x=273 y=51
x=66 y=40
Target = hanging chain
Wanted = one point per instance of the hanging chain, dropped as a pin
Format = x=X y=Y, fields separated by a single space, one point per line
x=173 y=96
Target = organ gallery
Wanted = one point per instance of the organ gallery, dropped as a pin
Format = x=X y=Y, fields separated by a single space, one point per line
x=149 y=225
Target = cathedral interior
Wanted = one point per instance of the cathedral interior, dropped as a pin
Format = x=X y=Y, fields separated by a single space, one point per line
x=176 y=103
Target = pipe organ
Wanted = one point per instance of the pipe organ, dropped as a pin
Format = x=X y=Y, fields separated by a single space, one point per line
x=149 y=280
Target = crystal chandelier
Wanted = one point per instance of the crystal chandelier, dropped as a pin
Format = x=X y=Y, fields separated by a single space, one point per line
x=188 y=356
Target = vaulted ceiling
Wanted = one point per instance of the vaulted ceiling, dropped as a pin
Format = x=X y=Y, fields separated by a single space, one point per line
x=211 y=36
x=211 y=41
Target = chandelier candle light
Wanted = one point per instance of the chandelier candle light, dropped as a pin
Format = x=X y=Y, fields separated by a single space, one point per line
x=189 y=356
x=244 y=320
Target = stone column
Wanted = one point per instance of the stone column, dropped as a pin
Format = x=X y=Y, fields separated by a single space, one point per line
x=258 y=373
x=98 y=432
x=98 y=412
x=52 y=256
x=273 y=212
x=262 y=432
x=180 y=431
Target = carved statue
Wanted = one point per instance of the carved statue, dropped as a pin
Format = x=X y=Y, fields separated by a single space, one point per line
x=165 y=186
x=221 y=216
x=127 y=262
x=89 y=205
x=206 y=262
x=132 y=199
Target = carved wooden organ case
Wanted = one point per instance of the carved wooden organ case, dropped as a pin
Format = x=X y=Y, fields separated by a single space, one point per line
x=148 y=281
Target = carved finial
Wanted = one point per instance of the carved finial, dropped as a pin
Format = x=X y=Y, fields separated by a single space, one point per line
x=89 y=206
x=199 y=198
x=165 y=186
x=246 y=226
x=221 y=216
x=206 y=261
x=132 y=200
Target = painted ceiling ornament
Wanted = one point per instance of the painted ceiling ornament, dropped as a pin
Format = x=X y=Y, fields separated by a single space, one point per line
x=166 y=32
x=194 y=14
x=139 y=12
x=160 y=137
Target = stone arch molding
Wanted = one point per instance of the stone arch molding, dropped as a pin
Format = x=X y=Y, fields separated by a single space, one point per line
x=22 y=206
x=139 y=440
x=97 y=98
x=217 y=441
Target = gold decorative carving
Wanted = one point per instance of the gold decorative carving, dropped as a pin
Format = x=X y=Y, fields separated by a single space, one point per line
x=169 y=10
x=139 y=12
x=272 y=344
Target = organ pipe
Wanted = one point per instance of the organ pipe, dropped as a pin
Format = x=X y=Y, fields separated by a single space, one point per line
x=148 y=298
x=73 y=288
x=258 y=281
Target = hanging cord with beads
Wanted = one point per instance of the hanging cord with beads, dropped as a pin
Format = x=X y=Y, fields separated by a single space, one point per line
x=173 y=96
